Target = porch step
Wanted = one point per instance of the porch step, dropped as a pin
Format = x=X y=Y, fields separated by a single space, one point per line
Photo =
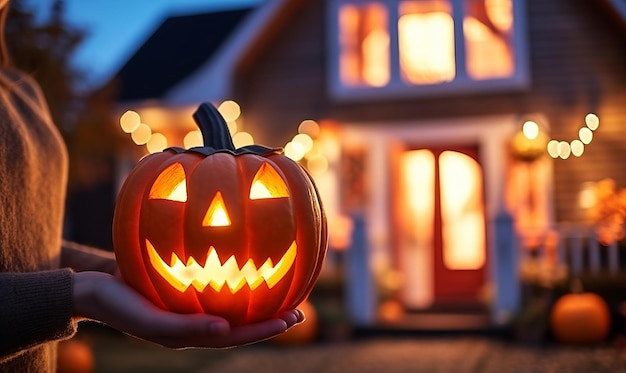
x=435 y=323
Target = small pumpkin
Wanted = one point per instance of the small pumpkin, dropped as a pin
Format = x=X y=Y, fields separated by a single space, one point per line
x=580 y=318
x=75 y=356
x=239 y=233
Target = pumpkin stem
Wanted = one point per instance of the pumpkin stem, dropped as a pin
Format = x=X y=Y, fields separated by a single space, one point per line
x=213 y=127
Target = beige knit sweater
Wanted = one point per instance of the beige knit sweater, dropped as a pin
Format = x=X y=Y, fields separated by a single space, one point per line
x=35 y=296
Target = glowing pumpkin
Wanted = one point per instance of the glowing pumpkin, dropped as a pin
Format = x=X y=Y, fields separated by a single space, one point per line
x=239 y=233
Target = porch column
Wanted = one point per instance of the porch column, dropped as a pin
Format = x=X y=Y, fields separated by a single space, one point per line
x=506 y=283
x=360 y=293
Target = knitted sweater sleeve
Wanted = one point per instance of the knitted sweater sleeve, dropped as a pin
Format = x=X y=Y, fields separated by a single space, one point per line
x=35 y=308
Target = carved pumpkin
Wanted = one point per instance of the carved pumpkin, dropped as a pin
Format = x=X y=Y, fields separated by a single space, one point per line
x=580 y=318
x=239 y=233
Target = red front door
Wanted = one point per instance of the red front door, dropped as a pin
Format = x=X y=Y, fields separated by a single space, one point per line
x=440 y=226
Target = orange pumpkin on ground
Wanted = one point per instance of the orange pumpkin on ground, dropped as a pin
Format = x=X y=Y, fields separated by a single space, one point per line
x=75 y=356
x=239 y=233
x=580 y=318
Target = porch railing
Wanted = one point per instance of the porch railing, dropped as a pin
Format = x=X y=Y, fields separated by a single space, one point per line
x=574 y=250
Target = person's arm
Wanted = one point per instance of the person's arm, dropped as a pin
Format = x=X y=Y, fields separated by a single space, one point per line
x=86 y=258
x=34 y=308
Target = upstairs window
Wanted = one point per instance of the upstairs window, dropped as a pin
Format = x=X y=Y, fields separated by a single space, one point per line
x=405 y=46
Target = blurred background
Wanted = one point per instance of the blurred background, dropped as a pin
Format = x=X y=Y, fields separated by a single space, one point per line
x=469 y=153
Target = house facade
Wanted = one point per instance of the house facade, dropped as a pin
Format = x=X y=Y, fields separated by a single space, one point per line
x=452 y=133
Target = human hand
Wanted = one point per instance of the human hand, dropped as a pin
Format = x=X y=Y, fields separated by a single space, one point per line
x=102 y=297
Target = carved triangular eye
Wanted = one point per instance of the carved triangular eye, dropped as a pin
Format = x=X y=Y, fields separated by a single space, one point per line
x=268 y=183
x=171 y=184
x=216 y=215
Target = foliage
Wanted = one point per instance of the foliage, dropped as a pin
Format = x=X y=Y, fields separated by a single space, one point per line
x=44 y=49
x=609 y=212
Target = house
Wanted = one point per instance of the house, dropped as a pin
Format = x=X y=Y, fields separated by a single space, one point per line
x=447 y=146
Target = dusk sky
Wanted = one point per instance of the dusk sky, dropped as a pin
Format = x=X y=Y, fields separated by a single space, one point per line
x=118 y=27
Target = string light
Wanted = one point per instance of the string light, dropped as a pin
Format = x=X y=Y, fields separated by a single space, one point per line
x=576 y=147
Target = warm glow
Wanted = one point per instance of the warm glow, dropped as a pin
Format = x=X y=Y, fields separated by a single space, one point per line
x=375 y=58
x=592 y=121
x=489 y=50
x=241 y=139
x=553 y=148
x=216 y=215
x=426 y=39
x=230 y=110
x=530 y=129
x=309 y=127
x=305 y=140
x=585 y=135
x=192 y=139
x=587 y=196
x=294 y=151
x=170 y=185
x=417 y=191
x=141 y=134
x=181 y=276
x=500 y=13
x=462 y=215
x=317 y=164
x=364 y=43
x=267 y=183
x=157 y=143
x=129 y=121
x=577 y=148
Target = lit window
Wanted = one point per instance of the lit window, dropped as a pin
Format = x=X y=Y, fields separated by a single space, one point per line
x=487 y=28
x=426 y=40
x=406 y=46
x=364 y=39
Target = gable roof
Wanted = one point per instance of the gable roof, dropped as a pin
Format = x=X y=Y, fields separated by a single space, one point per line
x=179 y=46
x=239 y=38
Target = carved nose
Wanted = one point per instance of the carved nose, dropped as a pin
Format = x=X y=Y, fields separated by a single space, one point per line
x=216 y=215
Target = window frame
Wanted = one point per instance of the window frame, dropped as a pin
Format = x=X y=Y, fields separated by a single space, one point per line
x=397 y=88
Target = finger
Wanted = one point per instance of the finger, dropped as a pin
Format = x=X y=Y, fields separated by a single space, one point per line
x=246 y=334
x=292 y=317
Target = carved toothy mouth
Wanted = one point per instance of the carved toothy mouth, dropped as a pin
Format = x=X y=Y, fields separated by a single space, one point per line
x=216 y=274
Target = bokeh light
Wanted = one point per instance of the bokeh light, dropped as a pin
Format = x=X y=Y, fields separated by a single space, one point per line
x=230 y=110
x=129 y=121
x=241 y=139
x=310 y=127
x=305 y=140
x=585 y=135
x=530 y=130
x=564 y=149
x=578 y=148
x=141 y=134
x=157 y=143
x=592 y=121
x=294 y=151
x=553 y=148
x=192 y=139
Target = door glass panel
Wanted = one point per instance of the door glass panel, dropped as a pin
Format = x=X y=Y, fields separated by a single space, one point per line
x=418 y=205
x=462 y=211
x=488 y=30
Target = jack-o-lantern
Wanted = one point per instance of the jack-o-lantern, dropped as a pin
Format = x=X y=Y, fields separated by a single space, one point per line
x=239 y=233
